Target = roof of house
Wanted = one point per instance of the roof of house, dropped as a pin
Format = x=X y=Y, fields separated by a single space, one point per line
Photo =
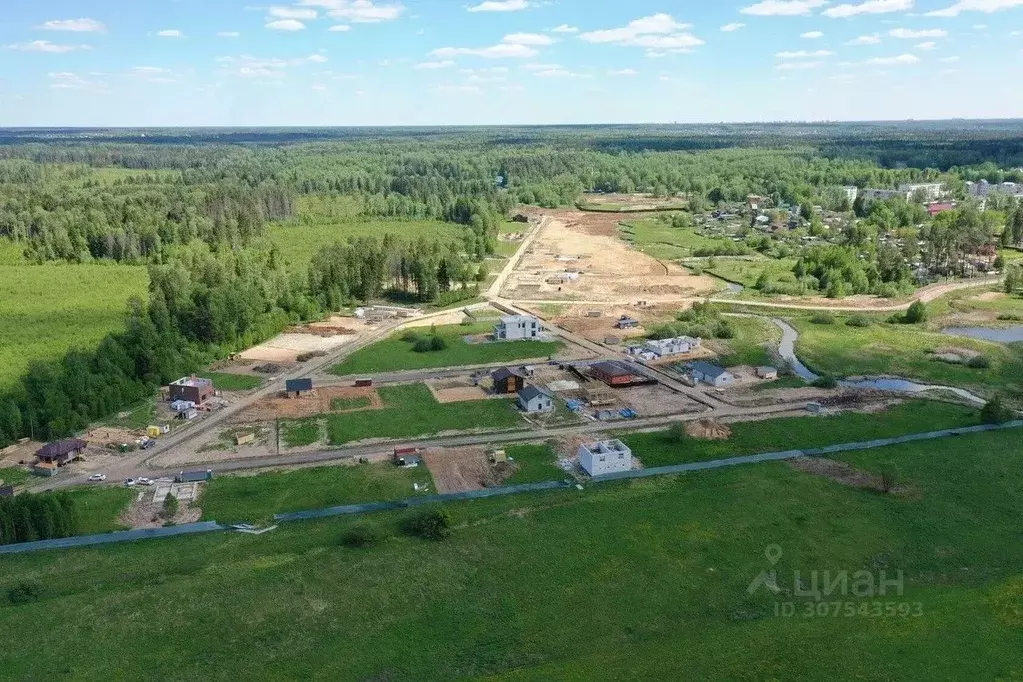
x=298 y=385
x=503 y=373
x=611 y=369
x=194 y=382
x=531 y=392
x=61 y=447
x=707 y=369
x=515 y=319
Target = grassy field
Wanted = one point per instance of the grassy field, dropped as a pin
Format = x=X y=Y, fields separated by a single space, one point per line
x=748 y=438
x=233 y=382
x=507 y=249
x=232 y=499
x=99 y=507
x=535 y=463
x=49 y=309
x=394 y=354
x=904 y=350
x=13 y=475
x=754 y=343
x=640 y=580
x=747 y=271
x=11 y=253
x=412 y=411
x=660 y=240
x=304 y=432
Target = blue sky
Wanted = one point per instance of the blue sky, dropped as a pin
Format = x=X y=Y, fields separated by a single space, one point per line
x=424 y=62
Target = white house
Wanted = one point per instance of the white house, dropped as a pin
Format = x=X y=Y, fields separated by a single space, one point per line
x=605 y=457
x=676 y=346
x=533 y=400
x=517 y=328
x=712 y=375
x=931 y=191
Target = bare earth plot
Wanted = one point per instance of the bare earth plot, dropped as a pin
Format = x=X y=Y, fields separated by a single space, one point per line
x=311 y=404
x=460 y=469
x=608 y=269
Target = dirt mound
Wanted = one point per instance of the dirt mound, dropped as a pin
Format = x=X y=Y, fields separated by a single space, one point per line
x=708 y=429
x=845 y=474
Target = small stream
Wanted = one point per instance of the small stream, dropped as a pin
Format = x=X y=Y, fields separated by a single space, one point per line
x=787 y=350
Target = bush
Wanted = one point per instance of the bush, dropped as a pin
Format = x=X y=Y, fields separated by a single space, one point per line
x=826 y=381
x=25 y=592
x=917 y=313
x=723 y=330
x=429 y=524
x=361 y=535
x=996 y=412
x=979 y=362
x=438 y=343
x=823 y=318
x=677 y=433
x=170 y=506
x=859 y=321
x=411 y=336
x=1010 y=317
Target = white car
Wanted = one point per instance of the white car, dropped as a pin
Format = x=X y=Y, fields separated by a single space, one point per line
x=129 y=483
x=98 y=477
x=145 y=481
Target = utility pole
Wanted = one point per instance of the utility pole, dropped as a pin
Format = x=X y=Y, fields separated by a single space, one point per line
x=277 y=434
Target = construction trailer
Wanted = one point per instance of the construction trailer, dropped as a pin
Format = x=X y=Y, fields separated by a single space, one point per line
x=194 y=476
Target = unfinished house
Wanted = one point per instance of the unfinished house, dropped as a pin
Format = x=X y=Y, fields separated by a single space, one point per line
x=518 y=328
x=192 y=389
x=605 y=457
x=665 y=348
x=52 y=456
x=507 y=381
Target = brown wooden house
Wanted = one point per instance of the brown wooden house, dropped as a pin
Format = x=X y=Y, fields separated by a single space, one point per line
x=507 y=381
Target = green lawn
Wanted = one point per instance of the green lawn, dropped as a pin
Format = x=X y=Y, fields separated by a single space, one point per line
x=233 y=499
x=640 y=580
x=98 y=508
x=223 y=381
x=412 y=411
x=660 y=240
x=298 y=433
x=49 y=309
x=393 y=354
x=13 y=475
x=657 y=448
x=354 y=403
x=748 y=271
x=906 y=351
x=137 y=417
x=535 y=464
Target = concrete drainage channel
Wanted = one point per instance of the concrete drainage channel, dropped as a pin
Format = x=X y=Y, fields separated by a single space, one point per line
x=370 y=507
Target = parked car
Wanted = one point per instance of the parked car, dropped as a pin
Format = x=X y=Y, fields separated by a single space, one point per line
x=145 y=481
x=98 y=477
x=129 y=482
x=148 y=444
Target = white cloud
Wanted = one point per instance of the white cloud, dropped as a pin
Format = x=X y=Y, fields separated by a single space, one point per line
x=286 y=25
x=500 y=6
x=74 y=25
x=340 y=28
x=71 y=81
x=656 y=32
x=247 y=66
x=804 y=54
x=783 y=8
x=926 y=45
x=318 y=87
x=533 y=66
x=228 y=34
x=278 y=12
x=735 y=26
x=148 y=70
x=980 y=27
x=358 y=11
x=623 y=72
x=910 y=34
x=316 y=59
x=873 y=39
x=869 y=7
x=46 y=46
x=986 y=6
x=564 y=28
x=434 y=65
x=812 y=35
x=528 y=39
x=949 y=60
x=798 y=66
x=894 y=61
x=170 y=33
x=559 y=72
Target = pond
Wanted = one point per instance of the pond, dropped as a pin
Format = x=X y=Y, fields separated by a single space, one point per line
x=1004 y=335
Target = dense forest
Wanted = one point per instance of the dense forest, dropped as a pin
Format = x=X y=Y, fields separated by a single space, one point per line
x=195 y=206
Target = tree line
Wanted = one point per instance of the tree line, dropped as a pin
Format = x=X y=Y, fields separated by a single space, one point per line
x=28 y=517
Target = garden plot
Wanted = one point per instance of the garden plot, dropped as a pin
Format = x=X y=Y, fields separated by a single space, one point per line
x=324 y=400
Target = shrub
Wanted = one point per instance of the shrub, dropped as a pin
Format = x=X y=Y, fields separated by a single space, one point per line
x=411 y=336
x=361 y=535
x=859 y=321
x=996 y=412
x=677 y=433
x=437 y=343
x=979 y=362
x=723 y=330
x=825 y=381
x=916 y=314
x=25 y=592
x=429 y=524
x=170 y=506
x=823 y=318
x=1010 y=317
x=887 y=481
